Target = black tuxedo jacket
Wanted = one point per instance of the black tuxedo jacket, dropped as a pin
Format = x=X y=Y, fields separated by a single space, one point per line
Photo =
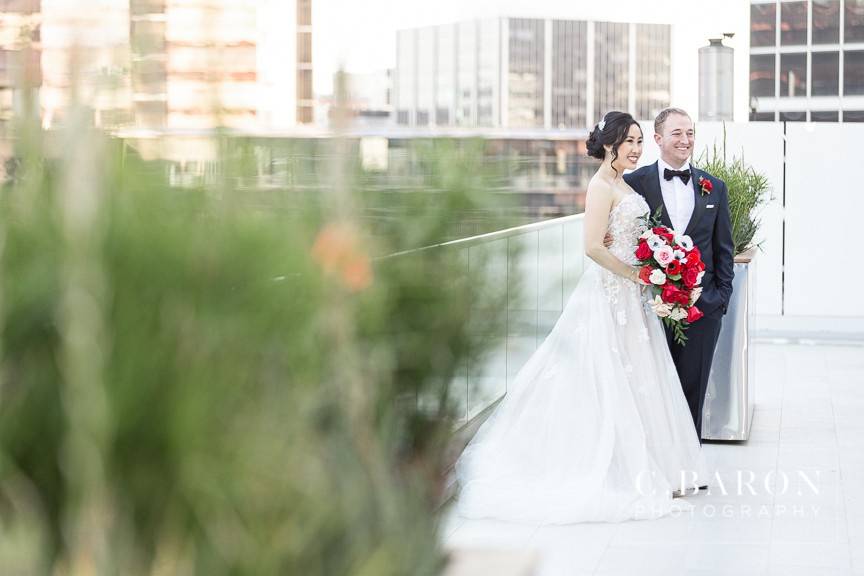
x=710 y=228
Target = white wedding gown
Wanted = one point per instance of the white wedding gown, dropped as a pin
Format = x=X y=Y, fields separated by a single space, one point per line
x=595 y=426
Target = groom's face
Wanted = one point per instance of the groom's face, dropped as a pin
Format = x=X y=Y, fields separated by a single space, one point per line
x=675 y=140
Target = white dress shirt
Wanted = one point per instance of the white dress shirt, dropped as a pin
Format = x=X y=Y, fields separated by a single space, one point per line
x=679 y=198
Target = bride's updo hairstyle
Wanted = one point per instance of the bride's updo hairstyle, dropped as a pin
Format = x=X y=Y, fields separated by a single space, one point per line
x=611 y=131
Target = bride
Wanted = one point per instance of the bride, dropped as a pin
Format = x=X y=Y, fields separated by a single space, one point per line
x=595 y=426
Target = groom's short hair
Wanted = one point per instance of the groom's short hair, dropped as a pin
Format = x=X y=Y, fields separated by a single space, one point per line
x=664 y=114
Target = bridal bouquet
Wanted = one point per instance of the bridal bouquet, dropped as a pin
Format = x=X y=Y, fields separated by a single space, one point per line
x=673 y=269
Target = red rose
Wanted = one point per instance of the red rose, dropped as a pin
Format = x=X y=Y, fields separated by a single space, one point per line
x=643 y=252
x=676 y=296
x=645 y=274
x=673 y=295
x=664 y=233
x=690 y=277
x=705 y=185
x=694 y=260
x=674 y=268
x=694 y=314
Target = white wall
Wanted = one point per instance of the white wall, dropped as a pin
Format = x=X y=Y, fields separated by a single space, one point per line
x=824 y=215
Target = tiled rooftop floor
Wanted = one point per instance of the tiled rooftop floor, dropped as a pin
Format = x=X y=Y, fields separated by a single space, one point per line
x=809 y=423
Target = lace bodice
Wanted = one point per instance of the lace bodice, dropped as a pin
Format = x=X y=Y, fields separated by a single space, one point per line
x=625 y=226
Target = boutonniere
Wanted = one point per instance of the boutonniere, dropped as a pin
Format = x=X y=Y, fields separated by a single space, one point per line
x=705 y=186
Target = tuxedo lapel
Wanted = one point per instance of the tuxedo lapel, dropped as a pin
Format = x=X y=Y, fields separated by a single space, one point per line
x=698 y=203
x=654 y=195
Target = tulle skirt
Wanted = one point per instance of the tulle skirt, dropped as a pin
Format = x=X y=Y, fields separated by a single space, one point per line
x=594 y=427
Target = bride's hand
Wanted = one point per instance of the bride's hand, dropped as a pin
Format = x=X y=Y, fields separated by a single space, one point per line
x=607 y=240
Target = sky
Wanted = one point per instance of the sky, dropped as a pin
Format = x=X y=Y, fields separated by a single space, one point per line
x=360 y=35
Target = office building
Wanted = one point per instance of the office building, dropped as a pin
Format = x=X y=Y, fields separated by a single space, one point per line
x=807 y=60
x=530 y=73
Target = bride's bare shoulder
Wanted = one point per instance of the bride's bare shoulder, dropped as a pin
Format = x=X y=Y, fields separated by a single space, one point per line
x=598 y=188
x=599 y=183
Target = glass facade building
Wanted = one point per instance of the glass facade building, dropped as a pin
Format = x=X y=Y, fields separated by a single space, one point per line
x=162 y=64
x=530 y=73
x=807 y=60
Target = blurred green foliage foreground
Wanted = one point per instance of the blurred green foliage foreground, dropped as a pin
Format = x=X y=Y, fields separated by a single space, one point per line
x=193 y=384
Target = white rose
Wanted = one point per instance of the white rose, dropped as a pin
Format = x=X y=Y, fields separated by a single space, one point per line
x=657 y=277
x=699 y=278
x=695 y=294
x=655 y=242
x=678 y=313
x=664 y=255
x=662 y=309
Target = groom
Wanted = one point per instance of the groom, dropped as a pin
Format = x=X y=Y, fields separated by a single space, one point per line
x=696 y=204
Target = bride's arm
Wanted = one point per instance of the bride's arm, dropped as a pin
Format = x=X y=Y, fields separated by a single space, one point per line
x=598 y=204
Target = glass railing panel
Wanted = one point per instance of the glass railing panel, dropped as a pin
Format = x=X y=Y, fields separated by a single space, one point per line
x=487 y=376
x=522 y=311
x=550 y=288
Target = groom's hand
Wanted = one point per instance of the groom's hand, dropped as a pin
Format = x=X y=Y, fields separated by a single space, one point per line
x=607 y=240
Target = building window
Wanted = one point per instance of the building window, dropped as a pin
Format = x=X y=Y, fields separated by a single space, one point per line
x=762 y=75
x=611 y=69
x=793 y=23
x=402 y=117
x=445 y=74
x=763 y=24
x=422 y=118
x=826 y=21
x=141 y=7
x=853 y=73
x=147 y=37
x=793 y=116
x=653 y=48
x=304 y=48
x=304 y=85
x=793 y=75
x=527 y=41
x=466 y=70
x=489 y=75
x=853 y=115
x=569 y=67
x=304 y=12
x=824 y=116
x=762 y=116
x=305 y=114
x=826 y=74
x=854 y=28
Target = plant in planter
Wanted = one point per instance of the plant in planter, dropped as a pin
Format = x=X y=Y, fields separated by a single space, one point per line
x=728 y=411
x=748 y=192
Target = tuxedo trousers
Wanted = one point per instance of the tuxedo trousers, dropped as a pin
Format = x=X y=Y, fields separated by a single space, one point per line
x=693 y=362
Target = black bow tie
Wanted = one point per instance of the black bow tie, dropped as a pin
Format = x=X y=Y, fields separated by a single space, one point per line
x=683 y=174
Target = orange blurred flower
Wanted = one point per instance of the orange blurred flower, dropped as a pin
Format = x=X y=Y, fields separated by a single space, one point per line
x=337 y=250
